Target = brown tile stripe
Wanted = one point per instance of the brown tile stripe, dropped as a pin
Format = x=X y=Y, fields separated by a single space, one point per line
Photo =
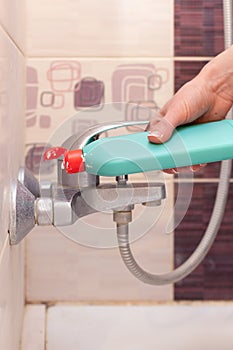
x=198 y=27
x=185 y=71
x=213 y=279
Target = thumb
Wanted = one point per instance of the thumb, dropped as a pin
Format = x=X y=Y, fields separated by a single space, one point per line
x=173 y=114
x=160 y=131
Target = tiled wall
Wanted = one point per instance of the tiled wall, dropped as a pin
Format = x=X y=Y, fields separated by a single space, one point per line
x=77 y=64
x=12 y=105
x=198 y=34
x=83 y=65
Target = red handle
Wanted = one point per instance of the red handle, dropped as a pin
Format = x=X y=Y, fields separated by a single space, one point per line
x=73 y=161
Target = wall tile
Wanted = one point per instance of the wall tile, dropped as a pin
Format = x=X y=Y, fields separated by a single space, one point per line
x=87 y=272
x=198 y=28
x=199 y=32
x=60 y=89
x=34 y=328
x=185 y=71
x=13 y=19
x=11 y=295
x=65 y=97
x=212 y=279
x=12 y=97
x=114 y=29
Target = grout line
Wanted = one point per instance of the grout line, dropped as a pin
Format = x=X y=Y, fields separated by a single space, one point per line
x=122 y=58
x=193 y=58
x=132 y=303
x=12 y=40
x=207 y=180
x=3 y=249
x=25 y=270
x=104 y=58
x=46 y=327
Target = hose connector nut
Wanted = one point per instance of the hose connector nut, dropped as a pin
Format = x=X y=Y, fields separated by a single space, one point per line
x=122 y=217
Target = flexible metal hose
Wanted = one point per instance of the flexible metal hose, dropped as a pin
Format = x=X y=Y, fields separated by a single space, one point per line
x=215 y=221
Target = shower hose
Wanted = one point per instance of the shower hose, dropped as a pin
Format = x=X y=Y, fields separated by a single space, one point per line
x=217 y=214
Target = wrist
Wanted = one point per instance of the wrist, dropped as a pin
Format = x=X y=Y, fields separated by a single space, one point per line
x=218 y=74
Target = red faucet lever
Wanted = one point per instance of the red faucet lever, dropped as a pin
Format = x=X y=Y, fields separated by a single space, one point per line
x=54 y=153
x=73 y=161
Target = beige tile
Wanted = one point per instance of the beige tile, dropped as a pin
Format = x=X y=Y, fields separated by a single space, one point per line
x=68 y=277
x=13 y=19
x=11 y=295
x=33 y=335
x=12 y=83
x=12 y=99
x=61 y=270
x=140 y=327
x=83 y=28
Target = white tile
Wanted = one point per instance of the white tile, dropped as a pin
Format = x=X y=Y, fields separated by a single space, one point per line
x=33 y=335
x=11 y=295
x=59 y=269
x=116 y=28
x=12 y=99
x=140 y=327
x=13 y=19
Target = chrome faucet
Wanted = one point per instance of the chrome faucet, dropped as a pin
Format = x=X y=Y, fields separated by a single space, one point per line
x=76 y=195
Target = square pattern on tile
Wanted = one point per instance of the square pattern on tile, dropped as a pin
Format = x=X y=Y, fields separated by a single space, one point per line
x=66 y=96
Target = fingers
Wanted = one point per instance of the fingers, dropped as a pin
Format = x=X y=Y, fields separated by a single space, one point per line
x=193 y=169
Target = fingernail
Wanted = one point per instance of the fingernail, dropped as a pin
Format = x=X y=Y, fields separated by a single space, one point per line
x=156 y=134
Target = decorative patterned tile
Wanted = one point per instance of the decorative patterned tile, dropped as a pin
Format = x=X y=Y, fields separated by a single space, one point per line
x=65 y=97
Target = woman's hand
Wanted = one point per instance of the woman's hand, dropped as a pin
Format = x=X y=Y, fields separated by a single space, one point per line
x=207 y=97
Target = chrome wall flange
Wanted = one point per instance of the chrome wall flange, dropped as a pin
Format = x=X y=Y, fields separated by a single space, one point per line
x=23 y=195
